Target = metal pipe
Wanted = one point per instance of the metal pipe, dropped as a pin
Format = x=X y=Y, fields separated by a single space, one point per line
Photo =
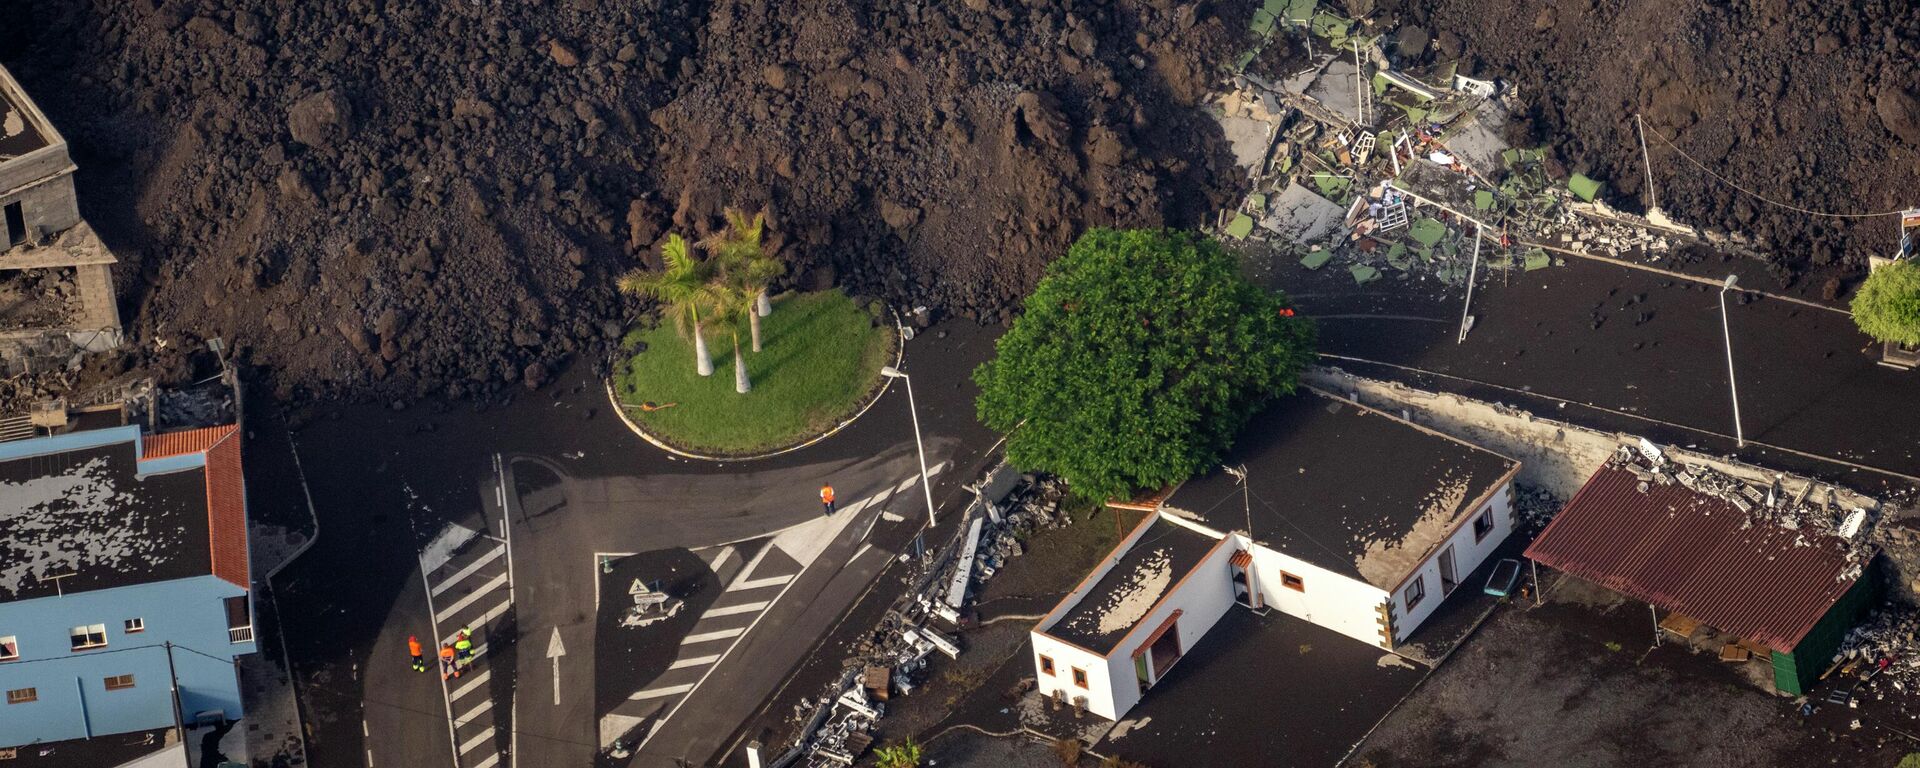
x=1739 y=436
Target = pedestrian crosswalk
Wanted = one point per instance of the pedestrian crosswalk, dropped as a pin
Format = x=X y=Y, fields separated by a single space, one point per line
x=472 y=588
x=755 y=574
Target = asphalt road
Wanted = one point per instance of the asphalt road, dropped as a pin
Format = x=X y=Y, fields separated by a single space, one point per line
x=1634 y=343
x=578 y=483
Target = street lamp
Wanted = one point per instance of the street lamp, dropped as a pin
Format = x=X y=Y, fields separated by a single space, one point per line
x=926 y=485
x=1739 y=436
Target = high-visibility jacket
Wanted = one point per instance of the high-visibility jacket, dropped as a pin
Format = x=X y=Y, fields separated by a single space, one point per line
x=413 y=646
x=826 y=494
x=463 y=645
x=446 y=651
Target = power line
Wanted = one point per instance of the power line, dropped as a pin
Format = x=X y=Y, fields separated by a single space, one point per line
x=1757 y=196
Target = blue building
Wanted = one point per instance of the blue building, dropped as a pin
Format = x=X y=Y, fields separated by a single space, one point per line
x=123 y=578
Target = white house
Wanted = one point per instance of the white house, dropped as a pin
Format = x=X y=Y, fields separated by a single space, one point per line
x=1349 y=518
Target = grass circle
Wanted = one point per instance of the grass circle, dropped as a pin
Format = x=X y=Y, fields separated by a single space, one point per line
x=820 y=361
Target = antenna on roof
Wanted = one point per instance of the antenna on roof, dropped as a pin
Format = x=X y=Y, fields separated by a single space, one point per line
x=57 y=589
x=1246 y=495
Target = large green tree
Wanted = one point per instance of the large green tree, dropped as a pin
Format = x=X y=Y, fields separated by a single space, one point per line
x=1888 y=304
x=683 y=287
x=1137 y=360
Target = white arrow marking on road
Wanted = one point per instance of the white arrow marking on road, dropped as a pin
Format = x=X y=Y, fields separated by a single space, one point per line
x=555 y=650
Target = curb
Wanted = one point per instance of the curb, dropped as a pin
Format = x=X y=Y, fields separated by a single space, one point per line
x=899 y=356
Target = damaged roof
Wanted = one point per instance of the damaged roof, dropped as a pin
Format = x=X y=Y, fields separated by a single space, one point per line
x=1699 y=555
x=22 y=128
x=1127 y=592
x=1345 y=487
x=98 y=510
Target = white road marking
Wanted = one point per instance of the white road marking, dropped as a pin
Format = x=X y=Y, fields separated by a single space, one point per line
x=476 y=682
x=491 y=761
x=491 y=585
x=694 y=662
x=733 y=609
x=770 y=581
x=654 y=693
x=478 y=740
x=722 y=558
x=716 y=635
x=484 y=618
x=484 y=705
x=490 y=556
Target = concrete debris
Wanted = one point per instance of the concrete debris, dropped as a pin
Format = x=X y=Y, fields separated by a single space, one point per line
x=837 y=726
x=1813 y=509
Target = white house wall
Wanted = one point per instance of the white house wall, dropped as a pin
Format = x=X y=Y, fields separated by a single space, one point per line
x=1201 y=598
x=1467 y=555
x=1066 y=657
x=1345 y=605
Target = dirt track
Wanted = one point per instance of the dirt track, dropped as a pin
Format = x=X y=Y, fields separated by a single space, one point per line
x=403 y=199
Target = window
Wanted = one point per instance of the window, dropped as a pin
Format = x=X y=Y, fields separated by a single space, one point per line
x=119 y=682
x=239 y=620
x=1293 y=582
x=89 y=636
x=23 y=695
x=1079 y=677
x=1416 y=591
x=9 y=648
x=1046 y=664
x=135 y=626
x=1483 y=525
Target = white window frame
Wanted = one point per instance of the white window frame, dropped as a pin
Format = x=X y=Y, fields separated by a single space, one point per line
x=26 y=695
x=9 y=648
x=84 y=635
x=136 y=625
x=1416 y=591
x=1480 y=534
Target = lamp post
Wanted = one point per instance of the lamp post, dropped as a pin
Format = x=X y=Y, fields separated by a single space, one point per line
x=926 y=485
x=1739 y=436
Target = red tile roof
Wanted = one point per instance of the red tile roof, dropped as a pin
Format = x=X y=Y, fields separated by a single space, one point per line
x=226 y=492
x=184 y=441
x=1688 y=552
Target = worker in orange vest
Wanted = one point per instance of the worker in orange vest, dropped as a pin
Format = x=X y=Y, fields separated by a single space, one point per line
x=448 y=668
x=826 y=498
x=413 y=649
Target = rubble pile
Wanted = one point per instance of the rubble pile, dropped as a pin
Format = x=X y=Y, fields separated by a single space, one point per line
x=836 y=727
x=1374 y=159
x=1889 y=633
x=1814 y=511
x=1535 y=506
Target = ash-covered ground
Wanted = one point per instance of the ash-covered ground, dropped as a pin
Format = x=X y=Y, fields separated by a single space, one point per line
x=409 y=199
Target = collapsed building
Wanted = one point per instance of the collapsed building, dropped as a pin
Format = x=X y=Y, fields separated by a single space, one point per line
x=56 y=282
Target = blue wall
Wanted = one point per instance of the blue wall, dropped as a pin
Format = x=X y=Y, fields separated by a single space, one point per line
x=73 y=700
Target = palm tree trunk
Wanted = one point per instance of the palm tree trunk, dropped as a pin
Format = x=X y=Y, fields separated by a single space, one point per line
x=754 y=320
x=740 y=382
x=763 y=306
x=702 y=362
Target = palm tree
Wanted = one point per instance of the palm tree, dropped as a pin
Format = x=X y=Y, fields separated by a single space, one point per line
x=683 y=287
x=731 y=305
x=745 y=264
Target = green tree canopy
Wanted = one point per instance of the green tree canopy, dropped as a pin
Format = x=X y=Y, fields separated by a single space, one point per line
x=1137 y=360
x=1888 y=304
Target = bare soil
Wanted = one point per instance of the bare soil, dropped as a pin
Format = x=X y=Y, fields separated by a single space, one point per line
x=1813 y=104
x=374 y=198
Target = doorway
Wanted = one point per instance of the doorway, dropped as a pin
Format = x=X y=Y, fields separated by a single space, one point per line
x=1165 y=651
x=1448 y=579
x=16 y=224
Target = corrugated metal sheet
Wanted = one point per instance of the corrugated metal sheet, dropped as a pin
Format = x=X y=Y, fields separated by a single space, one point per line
x=1687 y=552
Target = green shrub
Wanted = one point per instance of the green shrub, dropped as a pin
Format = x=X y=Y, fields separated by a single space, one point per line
x=1888 y=304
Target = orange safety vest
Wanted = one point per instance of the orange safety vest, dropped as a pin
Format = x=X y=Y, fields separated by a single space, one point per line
x=826 y=494
x=446 y=651
x=413 y=646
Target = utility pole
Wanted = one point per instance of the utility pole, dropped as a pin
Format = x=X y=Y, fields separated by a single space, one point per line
x=1739 y=436
x=1653 y=198
x=1473 y=272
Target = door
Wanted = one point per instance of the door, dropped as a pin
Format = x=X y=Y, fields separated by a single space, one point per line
x=16 y=224
x=1448 y=580
x=1165 y=652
